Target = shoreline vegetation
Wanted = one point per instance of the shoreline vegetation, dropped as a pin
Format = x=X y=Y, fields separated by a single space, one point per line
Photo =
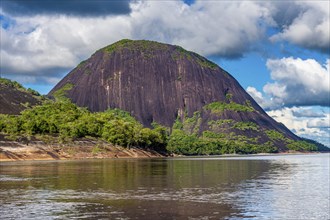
x=62 y=130
x=11 y=151
x=59 y=129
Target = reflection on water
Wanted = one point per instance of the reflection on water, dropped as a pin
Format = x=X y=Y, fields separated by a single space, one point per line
x=277 y=187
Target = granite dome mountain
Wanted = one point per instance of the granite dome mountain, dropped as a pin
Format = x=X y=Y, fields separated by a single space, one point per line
x=176 y=88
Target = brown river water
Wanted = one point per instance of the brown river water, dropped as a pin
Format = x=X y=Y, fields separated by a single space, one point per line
x=241 y=187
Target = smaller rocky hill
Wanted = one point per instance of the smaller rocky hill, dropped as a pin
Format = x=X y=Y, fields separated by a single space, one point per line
x=14 y=98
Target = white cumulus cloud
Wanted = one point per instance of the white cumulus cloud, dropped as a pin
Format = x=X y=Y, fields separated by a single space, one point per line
x=207 y=27
x=297 y=82
x=50 y=44
x=47 y=45
x=311 y=26
x=313 y=128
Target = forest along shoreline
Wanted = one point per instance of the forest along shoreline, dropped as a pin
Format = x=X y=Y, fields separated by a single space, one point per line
x=78 y=149
x=85 y=149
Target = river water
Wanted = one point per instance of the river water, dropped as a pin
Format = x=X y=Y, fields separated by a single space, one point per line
x=244 y=187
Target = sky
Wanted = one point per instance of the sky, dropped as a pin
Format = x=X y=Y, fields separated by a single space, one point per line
x=279 y=51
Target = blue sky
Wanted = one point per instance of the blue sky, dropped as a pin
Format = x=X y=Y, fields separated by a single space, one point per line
x=277 y=50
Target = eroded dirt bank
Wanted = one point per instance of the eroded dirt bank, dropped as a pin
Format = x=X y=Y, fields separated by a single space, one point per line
x=37 y=150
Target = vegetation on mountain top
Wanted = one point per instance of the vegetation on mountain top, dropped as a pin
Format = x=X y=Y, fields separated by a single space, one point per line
x=11 y=83
x=18 y=86
x=181 y=53
x=147 y=47
x=142 y=45
x=14 y=98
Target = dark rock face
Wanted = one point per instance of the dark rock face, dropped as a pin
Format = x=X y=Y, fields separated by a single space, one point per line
x=158 y=82
x=14 y=100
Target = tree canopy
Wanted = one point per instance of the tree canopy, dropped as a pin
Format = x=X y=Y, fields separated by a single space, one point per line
x=66 y=121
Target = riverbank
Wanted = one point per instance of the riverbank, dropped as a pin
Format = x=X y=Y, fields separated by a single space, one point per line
x=84 y=149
